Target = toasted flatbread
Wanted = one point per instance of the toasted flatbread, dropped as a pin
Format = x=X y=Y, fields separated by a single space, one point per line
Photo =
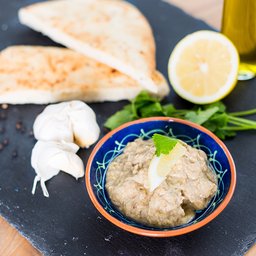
x=112 y=32
x=41 y=75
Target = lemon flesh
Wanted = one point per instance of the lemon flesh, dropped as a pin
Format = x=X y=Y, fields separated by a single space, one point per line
x=203 y=67
x=160 y=166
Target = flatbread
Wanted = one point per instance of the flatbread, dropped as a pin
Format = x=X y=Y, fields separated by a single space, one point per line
x=41 y=75
x=112 y=32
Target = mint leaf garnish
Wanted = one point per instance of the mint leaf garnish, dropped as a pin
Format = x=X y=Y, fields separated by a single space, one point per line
x=163 y=144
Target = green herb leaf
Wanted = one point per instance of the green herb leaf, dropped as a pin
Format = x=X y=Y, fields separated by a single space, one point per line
x=169 y=109
x=220 y=105
x=223 y=134
x=153 y=109
x=216 y=121
x=201 y=116
x=143 y=99
x=163 y=144
x=212 y=116
x=120 y=117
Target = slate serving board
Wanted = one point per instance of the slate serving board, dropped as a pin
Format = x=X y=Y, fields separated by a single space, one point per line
x=67 y=223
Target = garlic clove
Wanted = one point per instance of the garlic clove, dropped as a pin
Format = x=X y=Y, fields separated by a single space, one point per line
x=56 y=108
x=67 y=146
x=39 y=159
x=49 y=157
x=53 y=124
x=68 y=162
x=39 y=163
x=85 y=128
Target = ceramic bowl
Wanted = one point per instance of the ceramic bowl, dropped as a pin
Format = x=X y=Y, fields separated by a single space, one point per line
x=112 y=145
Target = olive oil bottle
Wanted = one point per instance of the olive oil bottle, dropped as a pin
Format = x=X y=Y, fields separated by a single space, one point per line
x=239 y=24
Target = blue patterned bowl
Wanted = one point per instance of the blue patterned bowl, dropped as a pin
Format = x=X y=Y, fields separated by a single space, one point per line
x=112 y=145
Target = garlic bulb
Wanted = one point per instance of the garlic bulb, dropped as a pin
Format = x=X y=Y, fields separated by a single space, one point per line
x=49 y=157
x=56 y=128
x=67 y=121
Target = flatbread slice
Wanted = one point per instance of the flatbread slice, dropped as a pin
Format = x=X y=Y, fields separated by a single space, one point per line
x=41 y=75
x=112 y=32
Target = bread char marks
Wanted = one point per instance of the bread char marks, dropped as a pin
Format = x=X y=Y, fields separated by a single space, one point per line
x=50 y=66
x=35 y=74
x=112 y=32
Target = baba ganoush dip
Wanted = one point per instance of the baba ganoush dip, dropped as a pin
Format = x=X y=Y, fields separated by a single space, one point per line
x=189 y=186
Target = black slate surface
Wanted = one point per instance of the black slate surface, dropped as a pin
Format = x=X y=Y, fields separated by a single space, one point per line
x=67 y=223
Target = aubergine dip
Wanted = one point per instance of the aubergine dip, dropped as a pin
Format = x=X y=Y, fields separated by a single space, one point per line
x=164 y=190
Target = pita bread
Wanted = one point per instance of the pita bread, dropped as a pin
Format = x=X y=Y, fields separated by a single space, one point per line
x=41 y=75
x=112 y=32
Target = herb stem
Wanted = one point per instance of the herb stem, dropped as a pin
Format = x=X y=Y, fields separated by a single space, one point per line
x=181 y=111
x=244 y=113
x=241 y=121
x=237 y=128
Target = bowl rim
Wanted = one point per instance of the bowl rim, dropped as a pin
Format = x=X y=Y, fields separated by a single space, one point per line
x=164 y=233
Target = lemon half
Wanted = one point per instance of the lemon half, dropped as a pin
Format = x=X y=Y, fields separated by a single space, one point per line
x=203 y=67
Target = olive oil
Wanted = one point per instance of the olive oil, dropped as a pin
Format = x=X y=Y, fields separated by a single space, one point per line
x=239 y=24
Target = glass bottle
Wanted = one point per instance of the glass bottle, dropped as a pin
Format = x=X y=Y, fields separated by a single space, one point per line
x=239 y=25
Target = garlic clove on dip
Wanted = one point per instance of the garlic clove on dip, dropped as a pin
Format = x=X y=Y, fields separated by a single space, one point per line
x=85 y=128
x=53 y=124
x=49 y=157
